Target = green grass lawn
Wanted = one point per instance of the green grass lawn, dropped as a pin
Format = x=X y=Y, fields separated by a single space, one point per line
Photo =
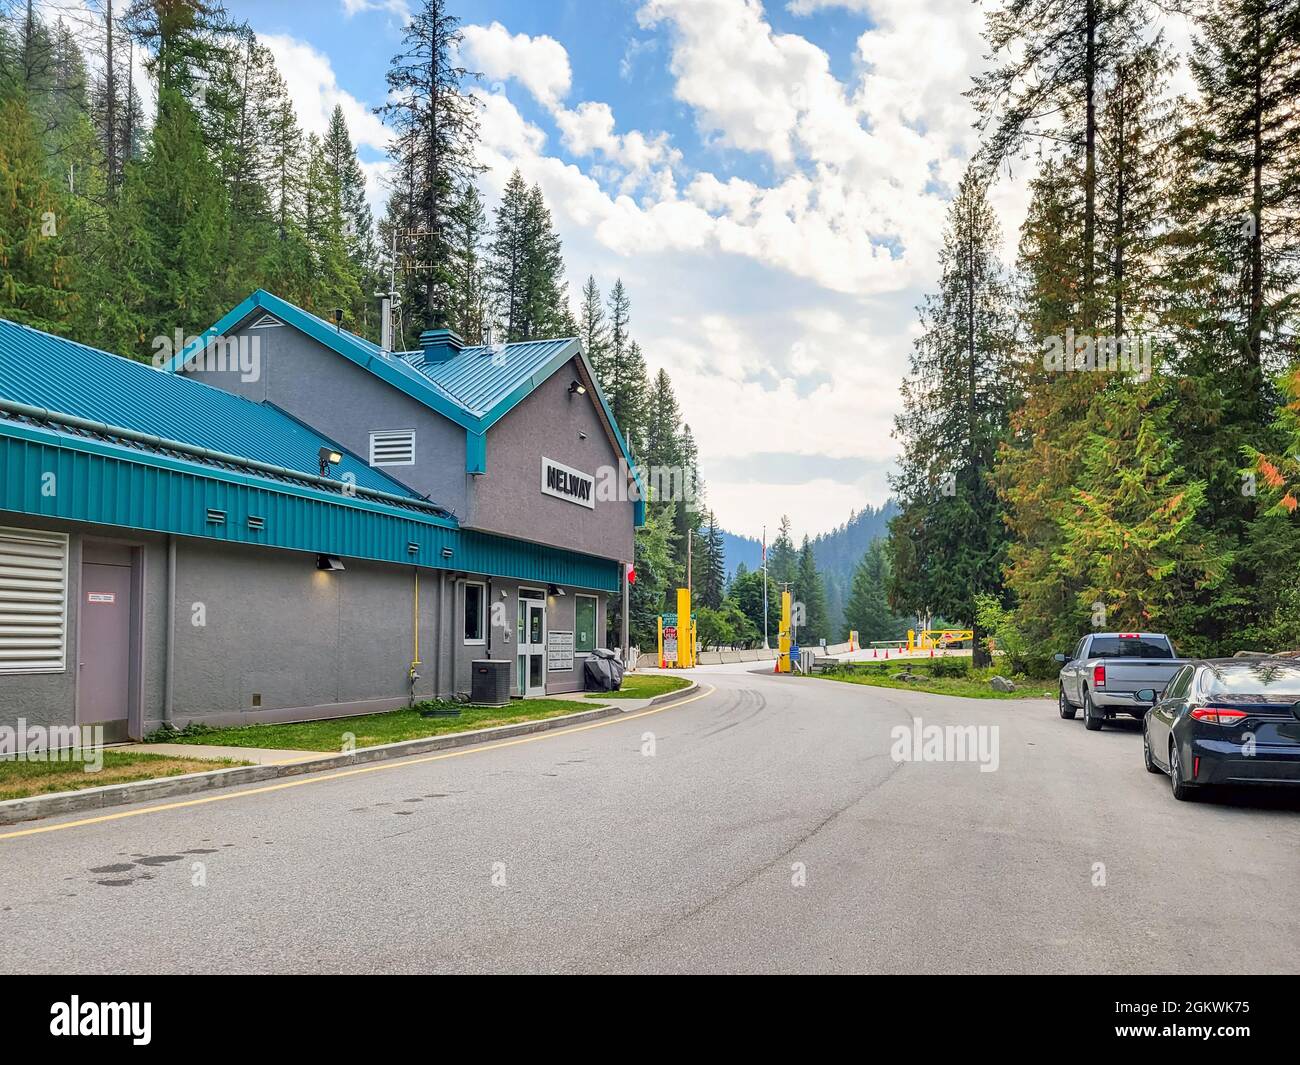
x=372 y=730
x=20 y=778
x=645 y=686
x=974 y=685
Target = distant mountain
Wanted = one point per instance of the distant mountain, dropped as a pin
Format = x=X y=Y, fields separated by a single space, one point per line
x=741 y=549
x=839 y=551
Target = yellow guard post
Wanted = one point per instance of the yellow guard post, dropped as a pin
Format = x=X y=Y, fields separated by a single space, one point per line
x=783 y=637
x=685 y=630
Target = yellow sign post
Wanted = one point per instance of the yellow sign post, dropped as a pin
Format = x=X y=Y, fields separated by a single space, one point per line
x=783 y=636
x=685 y=630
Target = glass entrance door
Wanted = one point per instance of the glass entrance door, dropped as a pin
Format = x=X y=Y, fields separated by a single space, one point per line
x=531 y=664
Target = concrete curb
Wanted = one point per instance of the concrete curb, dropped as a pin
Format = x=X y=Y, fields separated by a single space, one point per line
x=35 y=807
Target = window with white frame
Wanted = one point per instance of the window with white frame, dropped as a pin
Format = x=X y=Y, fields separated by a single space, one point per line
x=584 y=624
x=392 y=447
x=33 y=601
x=475 y=611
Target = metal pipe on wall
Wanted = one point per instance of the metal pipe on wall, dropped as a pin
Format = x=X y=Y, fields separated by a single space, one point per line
x=169 y=666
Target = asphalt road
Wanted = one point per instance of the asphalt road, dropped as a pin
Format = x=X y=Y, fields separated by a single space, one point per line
x=769 y=830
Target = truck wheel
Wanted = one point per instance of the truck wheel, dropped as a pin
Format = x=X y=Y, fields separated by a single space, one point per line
x=1064 y=707
x=1092 y=718
x=1146 y=753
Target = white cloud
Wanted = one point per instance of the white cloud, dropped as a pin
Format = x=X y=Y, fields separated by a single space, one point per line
x=783 y=309
x=540 y=64
x=309 y=77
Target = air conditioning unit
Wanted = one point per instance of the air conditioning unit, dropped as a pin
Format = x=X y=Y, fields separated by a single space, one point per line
x=490 y=682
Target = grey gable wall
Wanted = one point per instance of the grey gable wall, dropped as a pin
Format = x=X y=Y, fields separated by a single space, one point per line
x=509 y=498
x=346 y=403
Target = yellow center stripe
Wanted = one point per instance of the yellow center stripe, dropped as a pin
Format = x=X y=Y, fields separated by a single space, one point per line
x=374 y=768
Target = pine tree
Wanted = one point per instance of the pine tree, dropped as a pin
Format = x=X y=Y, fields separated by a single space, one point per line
x=710 y=577
x=867 y=609
x=545 y=299
x=336 y=284
x=1131 y=533
x=1055 y=57
x=592 y=330
x=34 y=271
x=808 y=591
x=435 y=126
x=782 y=559
x=507 y=259
x=663 y=425
x=348 y=186
x=955 y=411
x=468 y=308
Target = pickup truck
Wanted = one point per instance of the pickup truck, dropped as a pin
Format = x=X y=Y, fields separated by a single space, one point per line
x=1106 y=671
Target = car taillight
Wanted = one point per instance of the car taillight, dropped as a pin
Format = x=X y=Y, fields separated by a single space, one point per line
x=1099 y=676
x=1219 y=715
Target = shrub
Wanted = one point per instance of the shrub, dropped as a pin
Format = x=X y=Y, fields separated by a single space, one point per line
x=949 y=667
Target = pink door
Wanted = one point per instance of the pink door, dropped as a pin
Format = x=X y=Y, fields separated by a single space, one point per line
x=105 y=644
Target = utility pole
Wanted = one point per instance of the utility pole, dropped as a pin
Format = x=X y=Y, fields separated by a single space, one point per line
x=690 y=538
x=766 y=645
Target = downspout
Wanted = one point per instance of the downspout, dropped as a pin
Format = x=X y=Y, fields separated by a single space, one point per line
x=169 y=667
x=451 y=629
x=415 y=633
x=437 y=637
x=487 y=621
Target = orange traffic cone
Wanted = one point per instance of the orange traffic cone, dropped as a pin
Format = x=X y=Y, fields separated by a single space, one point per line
x=886 y=652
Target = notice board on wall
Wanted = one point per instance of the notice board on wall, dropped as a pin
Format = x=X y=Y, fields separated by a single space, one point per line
x=559 y=649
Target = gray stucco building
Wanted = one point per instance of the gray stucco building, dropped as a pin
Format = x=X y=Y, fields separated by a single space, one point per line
x=286 y=522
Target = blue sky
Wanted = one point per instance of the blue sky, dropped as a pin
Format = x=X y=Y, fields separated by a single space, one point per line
x=769 y=179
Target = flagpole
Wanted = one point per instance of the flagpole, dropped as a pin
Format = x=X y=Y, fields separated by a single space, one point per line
x=766 y=645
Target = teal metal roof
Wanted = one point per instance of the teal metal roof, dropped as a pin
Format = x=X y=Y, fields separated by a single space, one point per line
x=472 y=389
x=62 y=376
x=479 y=378
x=104 y=482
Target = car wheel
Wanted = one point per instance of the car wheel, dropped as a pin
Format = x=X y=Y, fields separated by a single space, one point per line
x=1064 y=707
x=1092 y=718
x=1146 y=753
x=1182 y=790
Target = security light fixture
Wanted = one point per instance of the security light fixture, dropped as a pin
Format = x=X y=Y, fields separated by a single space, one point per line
x=329 y=563
x=447 y=552
x=554 y=589
x=577 y=388
x=329 y=457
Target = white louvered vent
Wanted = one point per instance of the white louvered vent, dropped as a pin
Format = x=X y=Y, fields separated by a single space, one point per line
x=266 y=322
x=392 y=447
x=33 y=601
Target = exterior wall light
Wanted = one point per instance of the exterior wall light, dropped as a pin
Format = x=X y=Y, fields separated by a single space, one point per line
x=577 y=388
x=554 y=589
x=328 y=457
x=329 y=563
x=447 y=552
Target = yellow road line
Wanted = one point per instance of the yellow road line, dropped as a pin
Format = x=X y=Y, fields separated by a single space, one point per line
x=375 y=767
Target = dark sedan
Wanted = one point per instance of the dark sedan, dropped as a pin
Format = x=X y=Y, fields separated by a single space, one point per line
x=1226 y=721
